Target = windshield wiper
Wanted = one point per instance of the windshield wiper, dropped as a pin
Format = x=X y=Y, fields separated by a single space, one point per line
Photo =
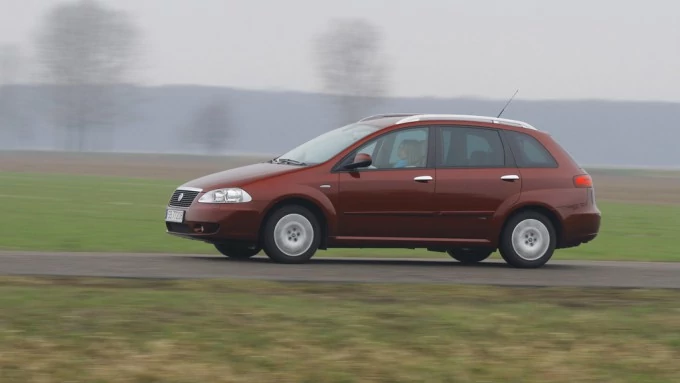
x=288 y=161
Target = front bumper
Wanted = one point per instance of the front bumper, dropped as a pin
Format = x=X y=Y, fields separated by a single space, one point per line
x=217 y=222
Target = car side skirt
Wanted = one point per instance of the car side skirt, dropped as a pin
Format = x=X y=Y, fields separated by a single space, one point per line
x=402 y=242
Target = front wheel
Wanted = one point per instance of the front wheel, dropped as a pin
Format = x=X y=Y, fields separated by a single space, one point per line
x=237 y=251
x=468 y=255
x=528 y=240
x=291 y=235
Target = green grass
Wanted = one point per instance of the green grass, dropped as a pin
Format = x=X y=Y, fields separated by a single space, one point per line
x=48 y=212
x=88 y=330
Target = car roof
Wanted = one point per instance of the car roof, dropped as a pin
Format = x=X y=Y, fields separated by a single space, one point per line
x=385 y=120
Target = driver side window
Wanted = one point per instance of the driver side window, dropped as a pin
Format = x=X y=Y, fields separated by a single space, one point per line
x=404 y=148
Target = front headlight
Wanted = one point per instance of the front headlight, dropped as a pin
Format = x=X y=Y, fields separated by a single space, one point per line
x=228 y=195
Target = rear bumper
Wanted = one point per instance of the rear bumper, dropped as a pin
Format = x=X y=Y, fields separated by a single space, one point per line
x=579 y=226
x=217 y=223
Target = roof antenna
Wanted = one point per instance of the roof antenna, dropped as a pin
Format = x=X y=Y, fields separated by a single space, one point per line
x=508 y=103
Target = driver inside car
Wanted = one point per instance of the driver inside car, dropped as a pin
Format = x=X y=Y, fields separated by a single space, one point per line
x=408 y=154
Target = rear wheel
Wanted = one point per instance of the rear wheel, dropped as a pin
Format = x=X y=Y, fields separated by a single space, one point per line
x=469 y=255
x=237 y=251
x=528 y=240
x=291 y=235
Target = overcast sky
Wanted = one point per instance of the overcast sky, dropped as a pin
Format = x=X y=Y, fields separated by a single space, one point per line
x=613 y=49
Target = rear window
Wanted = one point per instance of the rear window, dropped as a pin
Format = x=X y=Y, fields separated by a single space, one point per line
x=529 y=152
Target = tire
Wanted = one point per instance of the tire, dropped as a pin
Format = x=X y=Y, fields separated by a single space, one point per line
x=237 y=251
x=534 y=240
x=291 y=235
x=469 y=255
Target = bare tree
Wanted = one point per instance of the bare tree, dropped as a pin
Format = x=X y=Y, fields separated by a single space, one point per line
x=351 y=65
x=87 y=51
x=209 y=126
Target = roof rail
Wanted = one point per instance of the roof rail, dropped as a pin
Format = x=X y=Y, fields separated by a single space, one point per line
x=387 y=115
x=463 y=117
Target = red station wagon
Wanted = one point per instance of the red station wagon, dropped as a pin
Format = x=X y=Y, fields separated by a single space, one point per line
x=464 y=185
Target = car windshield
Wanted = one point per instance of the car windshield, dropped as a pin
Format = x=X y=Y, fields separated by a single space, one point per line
x=324 y=147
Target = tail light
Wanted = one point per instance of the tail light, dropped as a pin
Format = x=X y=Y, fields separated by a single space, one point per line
x=583 y=181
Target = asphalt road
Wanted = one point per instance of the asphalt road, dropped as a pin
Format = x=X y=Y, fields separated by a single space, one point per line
x=555 y=273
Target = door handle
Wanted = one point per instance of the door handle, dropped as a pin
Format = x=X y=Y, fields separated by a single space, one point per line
x=510 y=177
x=422 y=178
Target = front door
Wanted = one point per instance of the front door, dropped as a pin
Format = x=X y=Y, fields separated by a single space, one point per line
x=393 y=198
x=473 y=181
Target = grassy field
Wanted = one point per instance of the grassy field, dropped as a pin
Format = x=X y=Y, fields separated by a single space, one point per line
x=143 y=331
x=79 y=330
x=56 y=212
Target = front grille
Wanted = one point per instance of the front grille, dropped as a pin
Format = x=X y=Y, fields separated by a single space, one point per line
x=187 y=197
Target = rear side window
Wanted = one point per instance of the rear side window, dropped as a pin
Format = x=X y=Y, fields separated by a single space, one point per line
x=529 y=152
x=464 y=147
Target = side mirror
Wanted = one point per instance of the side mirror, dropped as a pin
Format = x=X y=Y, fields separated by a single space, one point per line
x=361 y=160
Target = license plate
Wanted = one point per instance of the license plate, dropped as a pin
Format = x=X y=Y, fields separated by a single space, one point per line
x=174 y=216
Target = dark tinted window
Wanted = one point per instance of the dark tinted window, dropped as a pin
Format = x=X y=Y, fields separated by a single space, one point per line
x=471 y=147
x=529 y=153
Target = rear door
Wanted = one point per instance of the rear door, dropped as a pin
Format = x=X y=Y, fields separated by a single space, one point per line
x=394 y=197
x=475 y=178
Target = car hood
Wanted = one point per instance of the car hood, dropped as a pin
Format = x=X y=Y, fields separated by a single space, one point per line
x=240 y=176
